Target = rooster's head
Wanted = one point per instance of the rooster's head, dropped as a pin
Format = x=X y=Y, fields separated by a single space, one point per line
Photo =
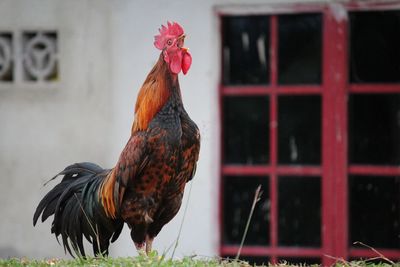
x=170 y=41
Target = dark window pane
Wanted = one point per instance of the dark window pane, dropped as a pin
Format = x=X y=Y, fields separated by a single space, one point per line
x=252 y=260
x=245 y=49
x=238 y=198
x=300 y=39
x=299 y=261
x=246 y=130
x=299 y=211
x=299 y=130
x=374 y=46
x=374 y=211
x=374 y=128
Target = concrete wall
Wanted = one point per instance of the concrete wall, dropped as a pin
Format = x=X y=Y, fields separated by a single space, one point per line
x=45 y=127
x=105 y=52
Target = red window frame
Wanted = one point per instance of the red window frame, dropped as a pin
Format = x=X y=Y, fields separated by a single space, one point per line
x=334 y=169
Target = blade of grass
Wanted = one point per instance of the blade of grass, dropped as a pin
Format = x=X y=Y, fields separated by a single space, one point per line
x=257 y=196
x=374 y=250
x=183 y=219
x=96 y=232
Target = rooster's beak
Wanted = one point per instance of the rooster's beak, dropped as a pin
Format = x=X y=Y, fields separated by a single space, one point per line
x=182 y=37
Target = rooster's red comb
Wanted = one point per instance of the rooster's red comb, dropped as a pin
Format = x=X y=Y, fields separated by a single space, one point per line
x=173 y=30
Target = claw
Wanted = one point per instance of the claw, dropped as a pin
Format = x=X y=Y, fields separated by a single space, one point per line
x=140 y=247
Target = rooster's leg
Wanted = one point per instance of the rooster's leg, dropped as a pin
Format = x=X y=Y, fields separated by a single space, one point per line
x=149 y=243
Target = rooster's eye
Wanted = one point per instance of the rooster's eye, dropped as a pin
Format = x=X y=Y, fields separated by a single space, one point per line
x=169 y=42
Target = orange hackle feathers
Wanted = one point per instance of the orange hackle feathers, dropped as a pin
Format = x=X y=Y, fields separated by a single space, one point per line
x=107 y=195
x=152 y=96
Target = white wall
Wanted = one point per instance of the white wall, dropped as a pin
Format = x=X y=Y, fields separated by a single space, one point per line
x=44 y=129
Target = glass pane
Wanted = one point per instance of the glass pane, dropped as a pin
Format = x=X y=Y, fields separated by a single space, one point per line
x=246 y=130
x=299 y=261
x=374 y=211
x=299 y=209
x=374 y=46
x=374 y=128
x=299 y=129
x=300 y=42
x=245 y=49
x=238 y=198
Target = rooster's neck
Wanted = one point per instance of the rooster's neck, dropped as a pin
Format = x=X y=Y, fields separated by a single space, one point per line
x=159 y=86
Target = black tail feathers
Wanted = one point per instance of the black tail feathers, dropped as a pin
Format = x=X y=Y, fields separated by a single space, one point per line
x=77 y=210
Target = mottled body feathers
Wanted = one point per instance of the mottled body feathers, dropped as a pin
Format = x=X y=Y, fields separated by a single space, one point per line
x=158 y=160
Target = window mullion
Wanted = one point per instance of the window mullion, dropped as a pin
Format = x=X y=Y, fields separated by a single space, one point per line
x=335 y=208
x=273 y=134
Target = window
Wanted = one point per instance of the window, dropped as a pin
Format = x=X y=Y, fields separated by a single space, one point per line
x=310 y=111
x=28 y=57
x=6 y=62
x=39 y=56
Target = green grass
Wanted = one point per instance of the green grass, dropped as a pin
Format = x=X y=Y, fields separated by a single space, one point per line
x=136 y=261
x=156 y=260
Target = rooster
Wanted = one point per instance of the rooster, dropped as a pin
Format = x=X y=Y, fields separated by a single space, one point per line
x=145 y=188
